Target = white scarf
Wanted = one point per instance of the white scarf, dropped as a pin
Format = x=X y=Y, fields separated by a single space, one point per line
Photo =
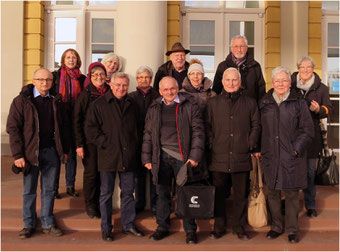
x=305 y=86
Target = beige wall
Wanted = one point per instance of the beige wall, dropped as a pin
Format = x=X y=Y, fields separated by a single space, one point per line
x=12 y=37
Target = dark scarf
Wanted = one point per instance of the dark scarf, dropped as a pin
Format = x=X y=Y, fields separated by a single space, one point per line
x=143 y=92
x=69 y=86
x=237 y=61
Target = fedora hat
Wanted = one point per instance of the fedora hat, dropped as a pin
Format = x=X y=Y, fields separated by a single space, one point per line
x=177 y=47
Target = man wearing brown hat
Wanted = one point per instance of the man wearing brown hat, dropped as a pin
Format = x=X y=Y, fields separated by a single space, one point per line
x=176 y=67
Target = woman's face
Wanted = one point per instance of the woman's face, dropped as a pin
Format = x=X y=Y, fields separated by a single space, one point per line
x=195 y=78
x=281 y=83
x=70 y=60
x=111 y=66
x=306 y=71
x=98 y=78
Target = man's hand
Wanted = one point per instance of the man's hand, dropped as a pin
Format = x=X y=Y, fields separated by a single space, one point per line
x=65 y=158
x=20 y=162
x=80 y=152
x=257 y=155
x=192 y=162
x=148 y=166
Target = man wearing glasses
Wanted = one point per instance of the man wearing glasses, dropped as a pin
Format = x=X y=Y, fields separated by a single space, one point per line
x=39 y=136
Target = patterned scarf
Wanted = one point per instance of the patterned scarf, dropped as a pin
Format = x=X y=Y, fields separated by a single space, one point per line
x=237 y=61
x=69 y=86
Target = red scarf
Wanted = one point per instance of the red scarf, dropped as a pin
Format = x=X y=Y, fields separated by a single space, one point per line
x=69 y=86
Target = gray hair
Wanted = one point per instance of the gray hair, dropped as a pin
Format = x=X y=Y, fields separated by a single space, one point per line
x=166 y=78
x=305 y=58
x=280 y=69
x=238 y=37
x=41 y=68
x=119 y=75
x=142 y=69
x=113 y=56
x=232 y=69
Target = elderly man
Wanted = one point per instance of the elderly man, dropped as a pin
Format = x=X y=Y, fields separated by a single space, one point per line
x=233 y=130
x=112 y=126
x=173 y=135
x=253 y=84
x=39 y=136
x=176 y=67
x=143 y=96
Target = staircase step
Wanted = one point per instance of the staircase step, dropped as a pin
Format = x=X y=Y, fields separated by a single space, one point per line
x=85 y=241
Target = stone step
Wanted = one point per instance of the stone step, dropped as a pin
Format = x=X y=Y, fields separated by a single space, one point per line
x=90 y=240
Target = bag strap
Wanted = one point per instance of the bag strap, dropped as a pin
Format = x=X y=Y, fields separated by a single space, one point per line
x=325 y=150
x=255 y=171
x=259 y=172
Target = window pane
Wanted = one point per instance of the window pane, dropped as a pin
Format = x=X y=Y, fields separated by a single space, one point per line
x=65 y=30
x=76 y=2
x=333 y=64
x=59 y=50
x=202 y=32
x=330 y=5
x=252 y=4
x=242 y=28
x=98 y=51
x=333 y=34
x=204 y=54
x=95 y=2
x=242 y=4
x=102 y=30
x=335 y=111
x=333 y=83
x=333 y=136
x=202 y=4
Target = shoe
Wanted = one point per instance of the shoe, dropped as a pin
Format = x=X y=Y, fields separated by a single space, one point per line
x=70 y=191
x=216 y=234
x=191 y=238
x=57 y=195
x=159 y=235
x=242 y=235
x=107 y=236
x=54 y=231
x=26 y=233
x=293 y=238
x=272 y=235
x=312 y=213
x=153 y=212
x=93 y=213
x=134 y=231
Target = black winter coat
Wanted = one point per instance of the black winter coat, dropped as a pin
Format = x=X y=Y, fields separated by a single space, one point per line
x=285 y=129
x=23 y=127
x=83 y=102
x=190 y=133
x=253 y=84
x=318 y=92
x=166 y=70
x=114 y=131
x=233 y=131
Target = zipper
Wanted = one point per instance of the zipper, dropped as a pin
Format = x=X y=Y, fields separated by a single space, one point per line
x=179 y=142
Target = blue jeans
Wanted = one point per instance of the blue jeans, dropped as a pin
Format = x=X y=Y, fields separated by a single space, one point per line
x=127 y=201
x=48 y=166
x=70 y=169
x=309 y=194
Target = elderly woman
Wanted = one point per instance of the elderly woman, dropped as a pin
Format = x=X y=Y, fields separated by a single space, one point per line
x=112 y=64
x=143 y=96
x=68 y=81
x=198 y=85
x=308 y=85
x=287 y=129
x=85 y=150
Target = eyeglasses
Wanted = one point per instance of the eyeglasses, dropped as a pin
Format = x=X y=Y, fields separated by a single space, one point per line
x=284 y=81
x=306 y=68
x=169 y=89
x=97 y=75
x=239 y=47
x=48 y=80
x=195 y=74
x=144 y=77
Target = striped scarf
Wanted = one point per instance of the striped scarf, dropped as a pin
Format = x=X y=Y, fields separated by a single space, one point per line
x=237 y=61
x=69 y=86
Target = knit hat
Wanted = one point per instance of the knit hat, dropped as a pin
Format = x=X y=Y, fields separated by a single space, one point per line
x=96 y=64
x=195 y=64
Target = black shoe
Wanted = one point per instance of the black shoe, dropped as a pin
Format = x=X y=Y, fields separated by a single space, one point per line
x=191 y=238
x=57 y=195
x=70 y=191
x=272 y=235
x=93 y=213
x=242 y=235
x=134 y=231
x=107 y=236
x=293 y=238
x=216 y=234
x=153 y=212
x=26 y=233
x=159 y=235
x=312 y=213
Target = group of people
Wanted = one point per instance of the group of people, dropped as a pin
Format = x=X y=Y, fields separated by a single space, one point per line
x=184 y=118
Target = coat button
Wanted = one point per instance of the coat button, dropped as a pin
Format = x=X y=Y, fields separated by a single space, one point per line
x=277 y=137
x=231 y=117
x=231 y=152
x=124 y=148
x=231 y=135
x=123 y=168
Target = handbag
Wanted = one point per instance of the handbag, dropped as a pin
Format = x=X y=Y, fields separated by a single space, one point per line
x=257 y=207
x=327 y=172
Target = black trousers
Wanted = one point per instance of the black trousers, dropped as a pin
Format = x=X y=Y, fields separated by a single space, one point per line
x=240 y=200
x=91 y=179
x=140 y=190
x=291 y=210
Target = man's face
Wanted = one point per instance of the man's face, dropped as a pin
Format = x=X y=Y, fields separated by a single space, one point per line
x=119 y=87
x=42 y=80
x=239 y=48
x=231 y=81
x=169 y=90
x=178 y=60
x=143 y=80
x=281 y=83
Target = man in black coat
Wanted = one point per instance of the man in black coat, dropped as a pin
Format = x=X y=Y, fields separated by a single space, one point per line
x=112 y=126
x=233 y=131
x=173 y=135
x=176 y=67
